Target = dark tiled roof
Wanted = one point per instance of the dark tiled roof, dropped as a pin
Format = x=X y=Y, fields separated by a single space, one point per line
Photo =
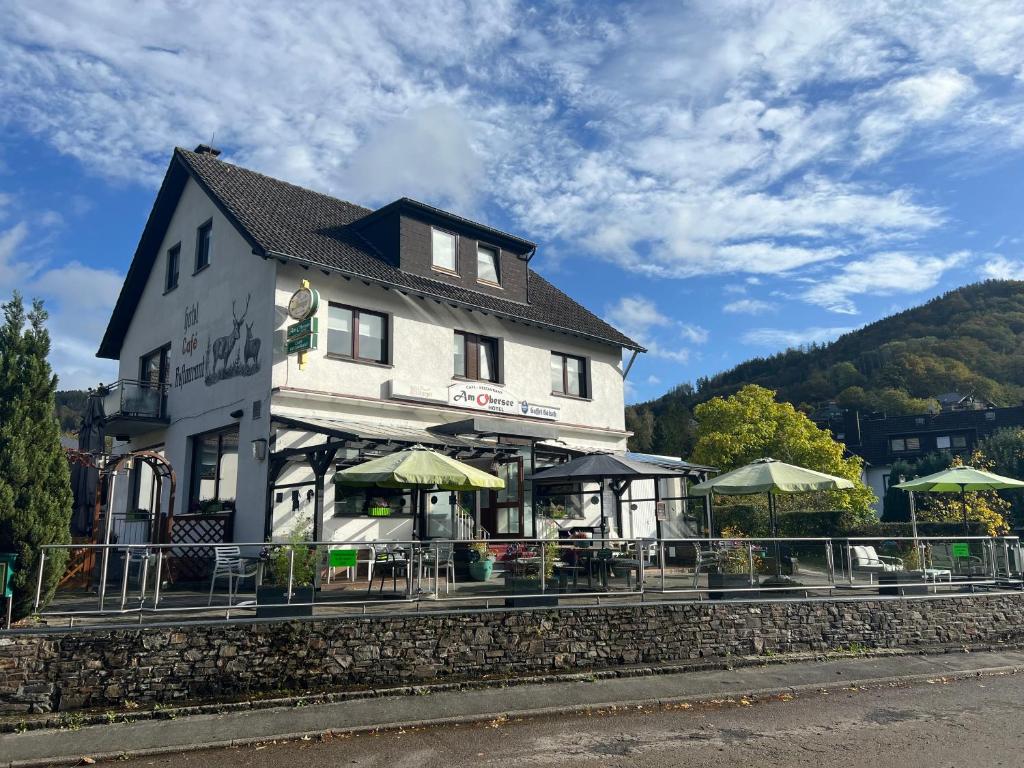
x=876 y=432
x=283 y=220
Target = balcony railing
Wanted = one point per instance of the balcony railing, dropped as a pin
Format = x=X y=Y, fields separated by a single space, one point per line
x=130 y=405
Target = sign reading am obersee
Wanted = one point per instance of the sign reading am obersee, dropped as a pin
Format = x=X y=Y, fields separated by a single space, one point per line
x=483 y=397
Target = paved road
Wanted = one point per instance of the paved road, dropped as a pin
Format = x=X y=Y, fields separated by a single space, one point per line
x=974 y=722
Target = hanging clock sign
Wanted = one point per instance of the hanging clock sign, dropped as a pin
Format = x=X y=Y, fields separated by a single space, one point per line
x=303 y=303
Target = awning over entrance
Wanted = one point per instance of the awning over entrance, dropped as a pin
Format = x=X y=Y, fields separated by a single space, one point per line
x=489 y=425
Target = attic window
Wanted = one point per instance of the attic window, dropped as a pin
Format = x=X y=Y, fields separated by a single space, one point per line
x=443 y=250
x=487 y=270
x=173 y=263
x=204 y=241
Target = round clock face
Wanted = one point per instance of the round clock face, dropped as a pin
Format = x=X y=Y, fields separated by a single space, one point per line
x=302 y=304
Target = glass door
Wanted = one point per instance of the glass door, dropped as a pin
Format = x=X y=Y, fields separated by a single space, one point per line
x=502 y=517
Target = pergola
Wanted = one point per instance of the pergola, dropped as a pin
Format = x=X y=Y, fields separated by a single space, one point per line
x=347 y=442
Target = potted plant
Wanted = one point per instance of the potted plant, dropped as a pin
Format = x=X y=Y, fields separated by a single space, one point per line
x=733 y=568
x=481 y=561
x=379 y=507
x=272 y=599
x=522 y=577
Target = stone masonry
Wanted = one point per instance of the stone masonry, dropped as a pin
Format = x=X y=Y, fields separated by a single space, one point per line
x=42 y=672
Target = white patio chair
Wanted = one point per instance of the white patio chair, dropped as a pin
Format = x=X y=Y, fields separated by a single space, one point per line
x=230 y=563
x=867 y=560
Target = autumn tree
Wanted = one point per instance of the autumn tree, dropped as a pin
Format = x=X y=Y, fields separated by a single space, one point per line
x=751 y=424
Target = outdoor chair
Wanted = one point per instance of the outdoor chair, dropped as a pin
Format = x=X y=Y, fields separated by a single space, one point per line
x=707 y=559
x=230 y=563
x=941 y=558
x=387 y=561
x=445 y=562
x=867 y=560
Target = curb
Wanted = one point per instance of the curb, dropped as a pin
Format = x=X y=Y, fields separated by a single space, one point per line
x=724 y=697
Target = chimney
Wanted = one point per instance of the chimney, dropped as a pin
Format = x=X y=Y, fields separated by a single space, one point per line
x=851 y=426
x=206 y=149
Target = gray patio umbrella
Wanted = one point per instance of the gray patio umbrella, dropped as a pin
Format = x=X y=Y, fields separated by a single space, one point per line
x=598 y=467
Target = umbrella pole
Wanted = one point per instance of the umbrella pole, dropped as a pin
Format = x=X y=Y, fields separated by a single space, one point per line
x=963 y=506
x=775 y=535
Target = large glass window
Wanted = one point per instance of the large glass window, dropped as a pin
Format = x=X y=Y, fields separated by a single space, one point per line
x=357 y=334
x=214 y=467
x=475 y=357
x=487 y=269
x=204 y=243
x=444 y=248
x=569 y=375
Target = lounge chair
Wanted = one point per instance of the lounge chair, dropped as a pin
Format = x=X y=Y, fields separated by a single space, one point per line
x=867 y=560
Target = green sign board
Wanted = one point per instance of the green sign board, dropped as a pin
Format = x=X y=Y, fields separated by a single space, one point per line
x=961 y=549
x=303 y=328
x=302 y=343
x=343 y=558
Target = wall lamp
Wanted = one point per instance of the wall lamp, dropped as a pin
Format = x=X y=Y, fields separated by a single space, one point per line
x=259 y=449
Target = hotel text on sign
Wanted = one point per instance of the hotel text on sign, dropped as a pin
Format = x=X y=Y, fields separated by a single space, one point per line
x=482 y=397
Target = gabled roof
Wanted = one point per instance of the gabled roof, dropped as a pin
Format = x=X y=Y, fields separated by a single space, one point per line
x=287 y=222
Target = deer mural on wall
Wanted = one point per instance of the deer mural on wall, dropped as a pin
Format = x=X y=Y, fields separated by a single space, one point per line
x=223 y=345
x=252 y=345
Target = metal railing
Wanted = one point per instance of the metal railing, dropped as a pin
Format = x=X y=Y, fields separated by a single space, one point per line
x=269 y=580
x=128 y=398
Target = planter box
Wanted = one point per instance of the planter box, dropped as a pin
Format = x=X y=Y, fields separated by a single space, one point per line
x=267 y=596
x=731 y=581
x=530 y=588
x=902 y=582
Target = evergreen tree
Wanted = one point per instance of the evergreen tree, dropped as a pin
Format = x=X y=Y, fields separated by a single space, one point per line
x=35 y=482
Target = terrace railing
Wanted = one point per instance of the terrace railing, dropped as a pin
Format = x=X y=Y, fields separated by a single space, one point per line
x=417 y=575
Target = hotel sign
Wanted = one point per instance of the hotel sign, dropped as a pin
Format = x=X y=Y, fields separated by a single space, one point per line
x=484 y=397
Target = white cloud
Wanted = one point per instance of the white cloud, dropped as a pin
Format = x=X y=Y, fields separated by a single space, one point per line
x=639 y=318
x=778 y=339
x=1002 y=268
x=748 y=307
x=78 y=299
x=749 y=138
x=695 y=334
x=881 y=274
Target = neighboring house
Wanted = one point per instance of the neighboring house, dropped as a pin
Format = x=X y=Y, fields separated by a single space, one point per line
x=954 y=401
x=432 y=329
x=882 y=440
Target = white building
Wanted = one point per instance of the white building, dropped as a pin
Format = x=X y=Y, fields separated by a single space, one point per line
x=430 y=328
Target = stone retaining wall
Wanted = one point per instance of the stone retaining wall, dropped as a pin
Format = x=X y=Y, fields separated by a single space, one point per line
x=167 y=665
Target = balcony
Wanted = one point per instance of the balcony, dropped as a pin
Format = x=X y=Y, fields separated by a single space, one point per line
x=134 y=407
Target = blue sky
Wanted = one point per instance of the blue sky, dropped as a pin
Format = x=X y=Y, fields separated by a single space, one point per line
x=719 y=179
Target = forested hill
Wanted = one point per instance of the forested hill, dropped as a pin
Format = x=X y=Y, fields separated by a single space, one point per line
x=70 y=407
x=968 y=341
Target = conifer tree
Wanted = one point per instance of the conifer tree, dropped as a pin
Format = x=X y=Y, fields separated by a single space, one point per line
x=35 y=482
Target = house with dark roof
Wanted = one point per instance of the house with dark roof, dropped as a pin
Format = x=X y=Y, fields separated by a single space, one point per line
x=269 y=335
x=883 y=440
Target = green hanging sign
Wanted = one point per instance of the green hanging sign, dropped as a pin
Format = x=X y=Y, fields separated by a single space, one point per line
x=961 y=549
x=302 y=344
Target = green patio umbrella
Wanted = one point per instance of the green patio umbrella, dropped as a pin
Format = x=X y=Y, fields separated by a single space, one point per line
x=418 y=467
x=960 y=480
x=770 y=476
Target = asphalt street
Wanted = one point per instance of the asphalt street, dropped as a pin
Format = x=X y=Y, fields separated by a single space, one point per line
x=940 y=724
